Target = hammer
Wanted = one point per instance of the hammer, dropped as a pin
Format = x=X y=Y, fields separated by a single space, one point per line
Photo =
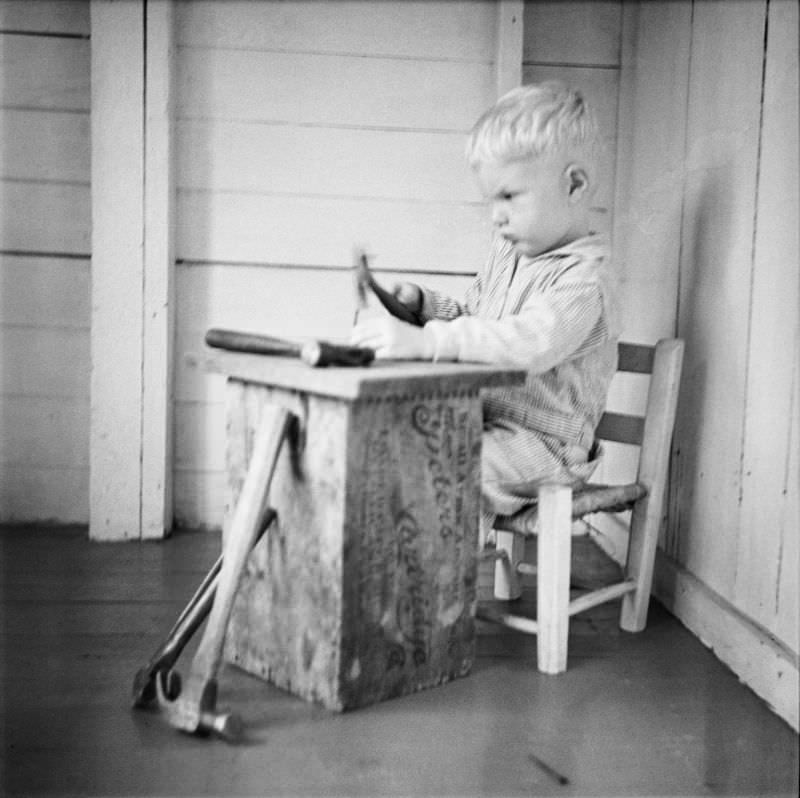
x=166 y=655
x=365 y=281
x=194 y=710
x=314 y=353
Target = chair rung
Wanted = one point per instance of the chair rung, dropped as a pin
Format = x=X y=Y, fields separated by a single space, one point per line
x=600 y=596
x=485 y=555
x=518 y=622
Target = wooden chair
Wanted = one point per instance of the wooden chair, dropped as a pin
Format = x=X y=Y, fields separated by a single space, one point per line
x=550 y=518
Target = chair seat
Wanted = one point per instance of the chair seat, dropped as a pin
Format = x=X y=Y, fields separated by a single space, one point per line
x=588 y=498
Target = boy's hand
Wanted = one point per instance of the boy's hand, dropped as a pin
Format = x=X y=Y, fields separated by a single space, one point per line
x=410 y=294
x=392 y=339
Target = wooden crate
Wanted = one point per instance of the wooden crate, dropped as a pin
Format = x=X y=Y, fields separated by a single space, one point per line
x=365 y=587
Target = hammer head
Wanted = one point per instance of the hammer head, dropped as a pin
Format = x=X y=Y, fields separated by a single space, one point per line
x=146 y=684
x=363 y=278
x=194 y=713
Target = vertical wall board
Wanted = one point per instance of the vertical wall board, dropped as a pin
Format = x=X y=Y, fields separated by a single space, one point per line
x=600 y=88
x=158 y=289
x=117 y=268
x=650 y=175
x=767 y=503
x=578 y=32
x=788 y=601
x=508 y=60
x=45 y=16
x=435 y=29
x=716 y=272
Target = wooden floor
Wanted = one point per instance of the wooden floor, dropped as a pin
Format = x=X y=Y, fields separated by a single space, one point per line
x=647 y=714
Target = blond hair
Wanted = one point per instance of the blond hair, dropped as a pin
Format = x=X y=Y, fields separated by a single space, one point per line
x=533 y=121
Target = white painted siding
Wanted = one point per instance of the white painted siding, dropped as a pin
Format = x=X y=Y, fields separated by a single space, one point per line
x=708 y=241
x=305 y=129
x=44 y=260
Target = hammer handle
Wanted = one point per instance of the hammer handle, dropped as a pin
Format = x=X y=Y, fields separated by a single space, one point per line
x=386 y=298
x=244 y=529
x=315 y=353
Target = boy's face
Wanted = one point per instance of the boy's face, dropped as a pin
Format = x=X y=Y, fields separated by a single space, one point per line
x=531 y=201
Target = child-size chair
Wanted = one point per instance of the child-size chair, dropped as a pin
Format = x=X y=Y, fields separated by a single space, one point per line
x=550 y=518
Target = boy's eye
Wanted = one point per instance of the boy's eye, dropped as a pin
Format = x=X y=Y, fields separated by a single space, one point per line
x=506 y=196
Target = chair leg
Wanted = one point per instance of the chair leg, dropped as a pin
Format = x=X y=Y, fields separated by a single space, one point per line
x=640 y=564
x=506 y=579
x=552 y=578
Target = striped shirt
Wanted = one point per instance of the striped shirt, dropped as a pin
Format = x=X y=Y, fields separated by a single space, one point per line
x=554 y=315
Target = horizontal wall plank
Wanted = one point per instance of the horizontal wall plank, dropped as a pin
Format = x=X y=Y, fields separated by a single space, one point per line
x=45 y=291
x=578 y=32
x=200 y=436
x=199 y=499
x=323 y=231
x=44 y=494
x=45 y=146
x=339 y=90
x=433 y=29
x=45 y=16
x=236 y=156
x=43 y=432
x=45 y=362
x=45 y=217
x=44 y=72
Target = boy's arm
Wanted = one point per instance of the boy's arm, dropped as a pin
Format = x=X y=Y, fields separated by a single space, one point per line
x=550 y=328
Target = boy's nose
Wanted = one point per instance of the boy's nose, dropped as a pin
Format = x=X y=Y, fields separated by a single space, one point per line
x=499 y=216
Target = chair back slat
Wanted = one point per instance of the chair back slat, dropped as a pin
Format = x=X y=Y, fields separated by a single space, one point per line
x=636 y=358
x=621 y=428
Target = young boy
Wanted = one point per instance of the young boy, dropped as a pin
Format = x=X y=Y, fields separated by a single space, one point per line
x=544 y=301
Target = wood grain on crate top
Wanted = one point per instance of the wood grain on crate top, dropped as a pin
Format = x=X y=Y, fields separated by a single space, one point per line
x=380 y=379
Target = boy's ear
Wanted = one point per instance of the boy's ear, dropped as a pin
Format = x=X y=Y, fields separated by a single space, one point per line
x=579 y=182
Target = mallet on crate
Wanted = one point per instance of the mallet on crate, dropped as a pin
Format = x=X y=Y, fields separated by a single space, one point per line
x=194 y=710
x=314 y=353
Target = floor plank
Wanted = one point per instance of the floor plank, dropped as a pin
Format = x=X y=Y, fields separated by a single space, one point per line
x=648 y=714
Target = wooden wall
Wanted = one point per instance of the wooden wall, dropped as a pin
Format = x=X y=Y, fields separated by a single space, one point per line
x=707 y=241
x=304 y=129
x=44 y=260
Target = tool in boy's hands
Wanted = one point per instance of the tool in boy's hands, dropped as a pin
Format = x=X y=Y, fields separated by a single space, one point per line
x=314 y=353
x=365 y=281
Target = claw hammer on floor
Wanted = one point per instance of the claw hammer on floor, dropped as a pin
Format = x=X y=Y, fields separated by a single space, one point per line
x=166 y=655
x=194 y=710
